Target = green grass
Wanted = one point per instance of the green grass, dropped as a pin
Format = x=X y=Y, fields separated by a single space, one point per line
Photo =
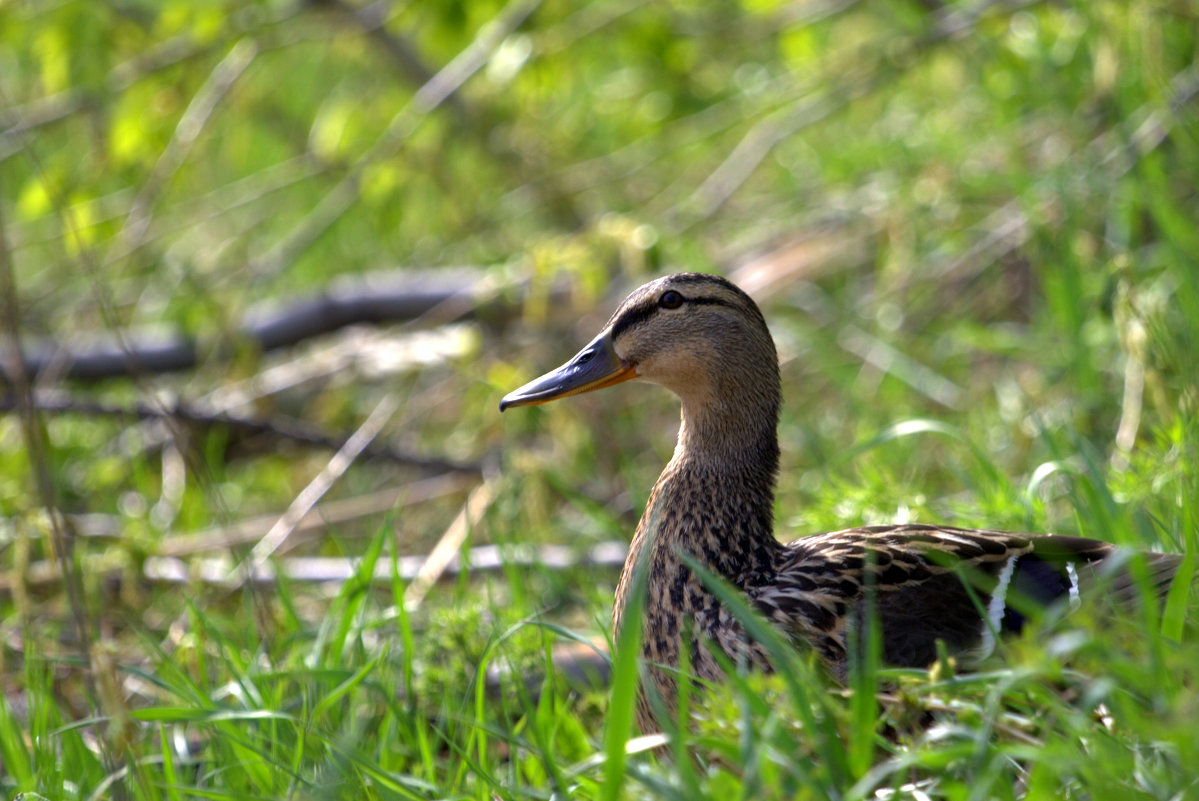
x=244 y=697
x=982 y=219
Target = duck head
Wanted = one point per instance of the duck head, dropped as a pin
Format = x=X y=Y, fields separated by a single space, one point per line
x=697 y=335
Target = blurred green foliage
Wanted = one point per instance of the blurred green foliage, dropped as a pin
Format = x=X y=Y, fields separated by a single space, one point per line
x=972 y=226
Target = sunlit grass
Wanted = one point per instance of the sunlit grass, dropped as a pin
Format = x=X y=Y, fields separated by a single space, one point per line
x=979 y=225
x=379 y=703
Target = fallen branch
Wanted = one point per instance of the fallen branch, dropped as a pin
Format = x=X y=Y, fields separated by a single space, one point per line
x=319 y=520
x=293 y=430
x=217 y=571
x=398 y=296
x=319 y=569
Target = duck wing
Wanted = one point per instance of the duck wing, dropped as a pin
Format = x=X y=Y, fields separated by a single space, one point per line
x=927 y=583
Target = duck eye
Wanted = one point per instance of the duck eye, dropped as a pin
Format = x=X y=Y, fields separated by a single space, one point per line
x=670 y=299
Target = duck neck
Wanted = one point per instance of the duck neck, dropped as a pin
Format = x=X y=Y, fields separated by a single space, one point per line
x=715 y=499
x=714 y=503
x=728 y=453
x=736 y=440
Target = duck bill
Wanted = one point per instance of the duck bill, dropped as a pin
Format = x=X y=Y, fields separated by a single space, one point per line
x=594 y=367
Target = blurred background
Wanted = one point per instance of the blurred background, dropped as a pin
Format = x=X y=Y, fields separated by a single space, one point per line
x=236 y=233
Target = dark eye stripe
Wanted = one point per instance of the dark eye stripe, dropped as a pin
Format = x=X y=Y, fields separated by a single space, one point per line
x=643 y=311
x=634 y=316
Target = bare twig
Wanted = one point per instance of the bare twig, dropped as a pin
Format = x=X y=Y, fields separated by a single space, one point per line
x=360 y=352
x=372 y=21
x=22 y=400
x=187 y=212
x=1130 y=409
x=684 y=131
x=888 y=359
x=799 y=256
x=43 y=111
x=761 y=140
x=447 y=547
x=1009 y=227
x=215 y=571
x=294 y=430
x=62 y=537
x=316 y=489
x=758 y=143
x=18 y=121
x=244 y=194
x=319 y=519
x=88 y=261
x=190 y=126
x=437 y=90
x=481 y=559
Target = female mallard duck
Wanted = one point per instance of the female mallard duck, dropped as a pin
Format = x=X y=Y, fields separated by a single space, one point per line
x=705 y=340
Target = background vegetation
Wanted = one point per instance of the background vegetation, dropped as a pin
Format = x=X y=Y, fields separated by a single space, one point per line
x=972 y=226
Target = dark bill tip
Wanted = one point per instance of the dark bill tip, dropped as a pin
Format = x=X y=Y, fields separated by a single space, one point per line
x=594 y=367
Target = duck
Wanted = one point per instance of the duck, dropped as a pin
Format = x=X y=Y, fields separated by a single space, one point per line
x=712 y=511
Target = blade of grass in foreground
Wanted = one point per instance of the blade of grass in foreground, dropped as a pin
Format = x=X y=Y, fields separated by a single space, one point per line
x=403 y=622
x=865 y=660
x=623 y=699
x=1174 y=614
x=783 y=659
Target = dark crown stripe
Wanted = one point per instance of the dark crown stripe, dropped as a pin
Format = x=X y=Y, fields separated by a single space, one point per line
x=744 y=300
x=643 y=311
x=699 y=278
x=636 y=315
